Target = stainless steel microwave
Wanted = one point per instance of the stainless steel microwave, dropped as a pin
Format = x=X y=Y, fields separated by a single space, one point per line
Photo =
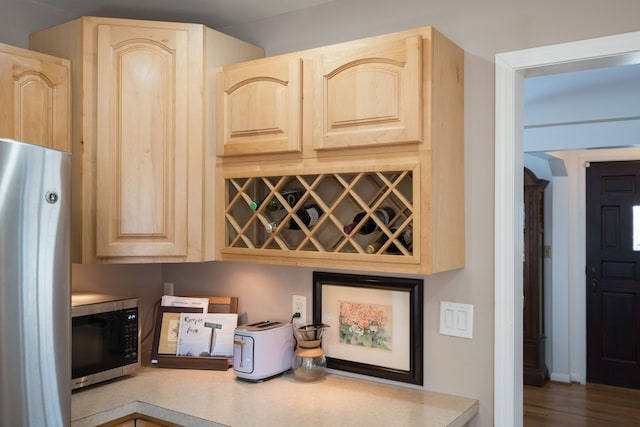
x=105 y=338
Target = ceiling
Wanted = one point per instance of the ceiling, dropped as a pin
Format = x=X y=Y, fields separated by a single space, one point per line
x=213 y=13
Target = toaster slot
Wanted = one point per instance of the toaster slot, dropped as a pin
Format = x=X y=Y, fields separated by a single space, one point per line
x=264 y=324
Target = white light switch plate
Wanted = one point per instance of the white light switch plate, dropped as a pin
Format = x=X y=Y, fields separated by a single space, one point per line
x=456 y=319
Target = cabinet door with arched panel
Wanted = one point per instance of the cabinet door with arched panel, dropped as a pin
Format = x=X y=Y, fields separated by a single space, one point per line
x=260 y=107
x=144 y=90
x=368 y=93
x=35 y=101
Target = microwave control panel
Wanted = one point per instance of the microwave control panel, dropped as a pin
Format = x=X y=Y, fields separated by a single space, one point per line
x=130 y=326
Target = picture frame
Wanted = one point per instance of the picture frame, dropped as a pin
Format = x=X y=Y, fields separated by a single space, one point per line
x=167 y=318
x=375 y=324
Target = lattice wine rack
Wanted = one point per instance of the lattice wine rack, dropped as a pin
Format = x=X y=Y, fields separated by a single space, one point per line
x=337 y=197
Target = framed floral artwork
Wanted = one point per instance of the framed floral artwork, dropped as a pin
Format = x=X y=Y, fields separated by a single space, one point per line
x=375 y=324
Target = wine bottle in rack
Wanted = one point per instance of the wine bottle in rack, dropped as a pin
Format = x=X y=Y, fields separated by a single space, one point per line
x=405 y=238
x=385 y=214
x=273 y=204
x=308 y=215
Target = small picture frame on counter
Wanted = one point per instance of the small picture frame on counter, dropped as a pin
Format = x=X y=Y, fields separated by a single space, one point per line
x=165 y=336
x=375 y=324
x=164 y=351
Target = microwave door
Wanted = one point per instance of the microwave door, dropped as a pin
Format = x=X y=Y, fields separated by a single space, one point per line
x=97 y=344
x=105 y=341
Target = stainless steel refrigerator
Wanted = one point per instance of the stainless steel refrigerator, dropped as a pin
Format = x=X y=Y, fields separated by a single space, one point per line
x=35 y=270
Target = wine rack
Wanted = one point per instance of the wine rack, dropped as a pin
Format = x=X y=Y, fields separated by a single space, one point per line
x=340 y=196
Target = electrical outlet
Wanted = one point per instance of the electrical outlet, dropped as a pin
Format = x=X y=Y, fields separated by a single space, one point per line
x=167 y=288
x=300 y=306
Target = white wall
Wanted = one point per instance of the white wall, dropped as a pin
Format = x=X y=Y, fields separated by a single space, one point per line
x=482 y=28
x=557 y=294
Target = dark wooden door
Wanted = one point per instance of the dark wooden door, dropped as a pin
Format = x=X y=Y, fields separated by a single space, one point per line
x=613 y=273
x=535 y=370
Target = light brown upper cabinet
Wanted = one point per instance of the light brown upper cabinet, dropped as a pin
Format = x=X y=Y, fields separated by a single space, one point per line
x=381 y=125
x=383 y=91
x=260 y=106
x=143 y=135
x=368 y=93
x=36 y=96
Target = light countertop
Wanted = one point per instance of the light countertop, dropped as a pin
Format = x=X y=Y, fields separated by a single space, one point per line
x=210 y=398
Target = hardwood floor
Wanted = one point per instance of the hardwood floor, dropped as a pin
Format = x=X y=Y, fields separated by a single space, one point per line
x=593 y=405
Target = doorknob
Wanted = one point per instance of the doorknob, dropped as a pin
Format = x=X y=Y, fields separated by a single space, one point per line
x=594 y=285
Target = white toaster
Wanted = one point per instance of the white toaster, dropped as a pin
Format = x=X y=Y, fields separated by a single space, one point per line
x=262 y=350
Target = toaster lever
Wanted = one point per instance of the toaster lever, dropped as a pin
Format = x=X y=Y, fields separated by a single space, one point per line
x=240 y=342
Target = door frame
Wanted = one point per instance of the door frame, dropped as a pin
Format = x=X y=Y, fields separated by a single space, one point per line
x=511 y=69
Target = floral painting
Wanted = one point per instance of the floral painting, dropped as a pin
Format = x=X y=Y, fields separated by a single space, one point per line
x=366 y=325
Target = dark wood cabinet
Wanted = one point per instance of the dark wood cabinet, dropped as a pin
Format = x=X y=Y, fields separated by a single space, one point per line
x=534 y=367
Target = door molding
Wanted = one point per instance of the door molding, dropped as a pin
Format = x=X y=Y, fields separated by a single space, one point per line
x=511 y=69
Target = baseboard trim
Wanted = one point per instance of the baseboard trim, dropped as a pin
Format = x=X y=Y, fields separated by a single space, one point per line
x=563 y=378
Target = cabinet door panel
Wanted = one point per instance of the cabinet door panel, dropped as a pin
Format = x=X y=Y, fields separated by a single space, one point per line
x=260 y=107
x=142 y=115
x=369 y=94
x=35 y=101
